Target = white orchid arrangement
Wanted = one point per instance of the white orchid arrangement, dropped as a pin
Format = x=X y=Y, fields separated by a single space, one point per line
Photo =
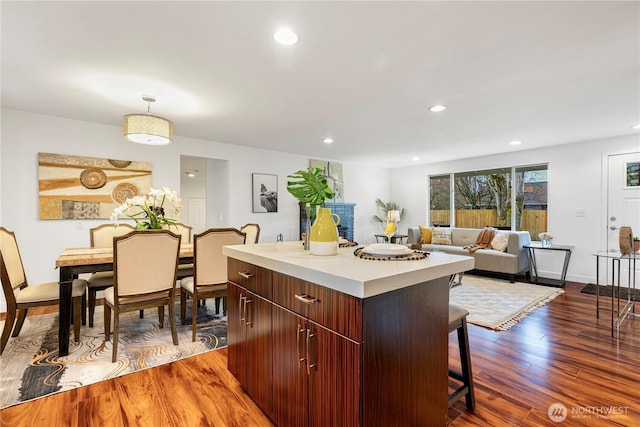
x=151 y=209
x=545 y=236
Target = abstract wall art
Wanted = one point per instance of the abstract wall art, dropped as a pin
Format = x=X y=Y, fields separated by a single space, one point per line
x=74 y=187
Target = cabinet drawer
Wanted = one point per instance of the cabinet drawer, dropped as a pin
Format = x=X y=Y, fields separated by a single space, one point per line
x=249 y=276
x=334 y=310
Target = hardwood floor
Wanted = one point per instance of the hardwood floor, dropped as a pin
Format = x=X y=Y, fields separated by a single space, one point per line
x=561 y=354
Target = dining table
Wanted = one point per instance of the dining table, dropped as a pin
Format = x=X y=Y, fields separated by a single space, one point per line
x=74 y=261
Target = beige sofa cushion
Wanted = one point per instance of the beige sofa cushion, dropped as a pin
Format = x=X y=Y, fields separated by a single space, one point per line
x=441 y=236
x=500 y=241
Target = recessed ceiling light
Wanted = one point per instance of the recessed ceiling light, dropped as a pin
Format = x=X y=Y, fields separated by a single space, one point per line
x=328 y=140
x=636 y=126
x=515 y=143
x=437 y=108
x=415 y=158
x=285 y=36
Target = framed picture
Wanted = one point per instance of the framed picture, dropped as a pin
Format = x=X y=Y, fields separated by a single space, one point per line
x=632 y=177
x=78 y=187
x=332 y=171
x=265 y=192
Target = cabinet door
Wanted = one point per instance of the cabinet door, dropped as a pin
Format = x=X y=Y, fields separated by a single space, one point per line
x=258 y=351
x=290 y=391
x=235 y=333
x=334 y=379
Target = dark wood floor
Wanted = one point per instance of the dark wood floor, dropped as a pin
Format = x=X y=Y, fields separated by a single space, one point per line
x=561 y=354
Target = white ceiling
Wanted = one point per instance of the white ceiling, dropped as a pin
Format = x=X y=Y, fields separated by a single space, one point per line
x=363 y=73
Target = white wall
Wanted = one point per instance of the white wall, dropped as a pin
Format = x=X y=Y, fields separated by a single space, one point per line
x=575 y=182
x=24 y=135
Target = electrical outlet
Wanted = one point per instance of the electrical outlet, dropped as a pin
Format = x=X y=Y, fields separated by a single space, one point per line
x=581 y=213
x=78 y=225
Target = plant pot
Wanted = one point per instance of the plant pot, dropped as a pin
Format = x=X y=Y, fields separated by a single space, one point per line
x=636 y=246
x=323 y=239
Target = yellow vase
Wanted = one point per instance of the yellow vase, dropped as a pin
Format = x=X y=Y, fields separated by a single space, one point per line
x=323 y=239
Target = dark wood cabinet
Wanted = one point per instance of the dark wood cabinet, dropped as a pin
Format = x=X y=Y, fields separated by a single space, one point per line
x=249 y=339
x=312 y=356
x=316 y=374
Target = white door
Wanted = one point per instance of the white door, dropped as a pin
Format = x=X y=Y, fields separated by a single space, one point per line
x=197 y=214
x=623 y=208
x=623 y=196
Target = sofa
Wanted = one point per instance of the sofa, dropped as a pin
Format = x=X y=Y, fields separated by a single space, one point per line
x=512 y=261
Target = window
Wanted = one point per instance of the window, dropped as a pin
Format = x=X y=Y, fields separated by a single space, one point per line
x=486 y=198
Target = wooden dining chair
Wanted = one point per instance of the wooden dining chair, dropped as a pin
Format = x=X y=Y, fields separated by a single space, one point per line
x=20 y=296
x=102 y=237
x=209 y=278
x=184 y=270
x=252 y=231
x=144 y=272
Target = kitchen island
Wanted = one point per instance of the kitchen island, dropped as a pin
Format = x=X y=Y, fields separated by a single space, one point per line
x=339 y=340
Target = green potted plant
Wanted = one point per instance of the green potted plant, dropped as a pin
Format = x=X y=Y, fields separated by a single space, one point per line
x=311 y=189
x=384 y=208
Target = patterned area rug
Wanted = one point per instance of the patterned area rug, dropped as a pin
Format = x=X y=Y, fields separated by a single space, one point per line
x=30 y=367
x=498 y=304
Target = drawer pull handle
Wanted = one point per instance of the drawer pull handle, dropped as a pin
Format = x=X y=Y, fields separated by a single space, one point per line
x=306 y=299
x=245 y=275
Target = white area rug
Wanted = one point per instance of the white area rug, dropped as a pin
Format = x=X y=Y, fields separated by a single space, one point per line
x=498 y=304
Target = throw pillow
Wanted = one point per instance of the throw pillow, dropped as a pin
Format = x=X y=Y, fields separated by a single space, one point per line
x=425 y=235
x=441 y=236
x=500 y=241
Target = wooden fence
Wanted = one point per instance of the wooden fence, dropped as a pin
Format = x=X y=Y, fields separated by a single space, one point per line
x=533 y=221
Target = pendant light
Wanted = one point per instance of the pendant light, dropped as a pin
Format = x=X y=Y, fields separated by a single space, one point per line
x=147 y=128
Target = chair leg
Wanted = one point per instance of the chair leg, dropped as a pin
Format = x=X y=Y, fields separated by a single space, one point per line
x=194 y=316
x=22 y=314
x=8 y=326
x=465 y=360
x=161 y=316
x=107 y=322
x=142 y=314
x=92 y=305
x=77 y=316
x=172 y=322
x=183 y=307
x=83 y=308
x=116 y=324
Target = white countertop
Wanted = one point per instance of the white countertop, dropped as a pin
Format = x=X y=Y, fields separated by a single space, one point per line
x=345 y=272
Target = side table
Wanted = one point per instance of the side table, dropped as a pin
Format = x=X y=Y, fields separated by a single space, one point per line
x=533 y=265
x=397 y=238
x=618 y=315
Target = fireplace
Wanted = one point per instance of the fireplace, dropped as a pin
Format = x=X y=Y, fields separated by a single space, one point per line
x=344 y=210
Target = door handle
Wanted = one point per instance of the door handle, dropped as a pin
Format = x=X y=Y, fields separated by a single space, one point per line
x=241 y=308
x=310 y=364
x=300 y=359
x=248 y=322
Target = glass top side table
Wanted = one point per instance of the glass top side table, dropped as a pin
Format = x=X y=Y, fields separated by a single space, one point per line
x=618 y=314
x=533 y=264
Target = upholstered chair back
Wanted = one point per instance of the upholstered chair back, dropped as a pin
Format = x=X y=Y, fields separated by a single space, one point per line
x=183 y=230
x=252 y=231
x=13 y=276
x=145 y=262
x=210 y=263
x=102 y=235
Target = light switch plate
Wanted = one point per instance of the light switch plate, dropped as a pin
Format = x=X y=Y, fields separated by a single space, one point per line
x=581 y=213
